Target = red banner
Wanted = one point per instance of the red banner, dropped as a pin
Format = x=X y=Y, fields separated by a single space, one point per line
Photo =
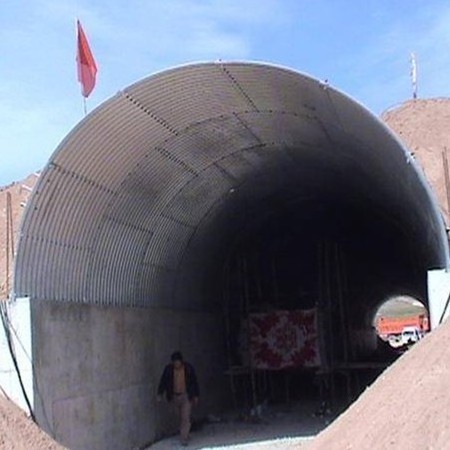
x=87 y=68
x=284 y=339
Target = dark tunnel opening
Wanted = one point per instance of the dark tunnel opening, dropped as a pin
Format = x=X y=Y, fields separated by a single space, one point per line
x=331 y=254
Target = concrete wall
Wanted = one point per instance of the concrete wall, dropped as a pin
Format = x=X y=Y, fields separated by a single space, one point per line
x=97 y=369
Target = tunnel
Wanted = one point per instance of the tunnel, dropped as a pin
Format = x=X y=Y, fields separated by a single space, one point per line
x=189 y=200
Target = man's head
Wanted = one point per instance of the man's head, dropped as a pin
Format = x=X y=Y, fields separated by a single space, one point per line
x=177 y=359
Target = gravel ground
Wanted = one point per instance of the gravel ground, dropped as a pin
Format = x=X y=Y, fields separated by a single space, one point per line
x=279 y=427
x=298 y=443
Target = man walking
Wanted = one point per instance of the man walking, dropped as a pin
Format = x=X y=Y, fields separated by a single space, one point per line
x=179 y=384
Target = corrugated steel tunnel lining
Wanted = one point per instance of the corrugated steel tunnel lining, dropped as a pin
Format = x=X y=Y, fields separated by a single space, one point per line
x=149 y=197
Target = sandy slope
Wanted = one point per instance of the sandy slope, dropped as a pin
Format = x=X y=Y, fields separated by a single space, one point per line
x=406 y=408
x=18 y=432
x=423 y=125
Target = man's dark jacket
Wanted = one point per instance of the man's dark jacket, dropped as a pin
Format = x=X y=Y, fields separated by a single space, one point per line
x=166 y=382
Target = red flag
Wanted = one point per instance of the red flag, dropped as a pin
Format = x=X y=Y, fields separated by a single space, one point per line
x=87 y=69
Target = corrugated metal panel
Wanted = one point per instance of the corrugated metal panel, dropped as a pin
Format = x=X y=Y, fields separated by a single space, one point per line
x=286 y=129
x=130 y=208
x=110 y=144
x=204 y=143
x=197 y=197
x=220 y=226
x=285 y=91
x=168 y=243
x=237 y=166
x=262 y=157
x=68 y=200
x=156 y=286
x=116 y=262
x=151 y=186
x=60 y=228
x=190 y=95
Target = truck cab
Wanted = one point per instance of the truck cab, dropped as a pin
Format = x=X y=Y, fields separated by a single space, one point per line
x=410 y=335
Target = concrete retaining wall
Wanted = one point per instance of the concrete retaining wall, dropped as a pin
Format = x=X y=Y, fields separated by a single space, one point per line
x=97 y=369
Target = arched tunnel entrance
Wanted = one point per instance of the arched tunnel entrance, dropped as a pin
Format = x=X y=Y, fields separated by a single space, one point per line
x=188 y=201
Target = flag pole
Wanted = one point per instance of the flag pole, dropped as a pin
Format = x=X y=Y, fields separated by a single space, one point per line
x=78 y=68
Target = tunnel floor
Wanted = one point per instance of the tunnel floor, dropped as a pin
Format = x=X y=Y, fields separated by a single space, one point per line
x=279 y=426
x=291 y=415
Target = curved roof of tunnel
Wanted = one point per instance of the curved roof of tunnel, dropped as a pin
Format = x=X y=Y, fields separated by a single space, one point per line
x=148 y=194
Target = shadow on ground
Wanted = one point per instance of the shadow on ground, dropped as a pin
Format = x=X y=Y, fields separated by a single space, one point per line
x=277 y=427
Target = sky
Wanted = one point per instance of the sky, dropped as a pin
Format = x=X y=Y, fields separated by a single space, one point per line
x=362 y=47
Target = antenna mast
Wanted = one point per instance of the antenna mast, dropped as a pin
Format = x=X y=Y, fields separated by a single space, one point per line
x=413 y=73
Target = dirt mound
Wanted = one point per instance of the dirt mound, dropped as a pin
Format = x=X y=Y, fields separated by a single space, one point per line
x=19 y=193
x=407 y=407
x=18 y=432
x=423 y=126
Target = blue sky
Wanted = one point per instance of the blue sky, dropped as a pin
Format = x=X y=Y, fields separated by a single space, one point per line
x=361 y=47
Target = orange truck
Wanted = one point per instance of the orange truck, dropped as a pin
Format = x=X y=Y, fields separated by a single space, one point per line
x=394 y=326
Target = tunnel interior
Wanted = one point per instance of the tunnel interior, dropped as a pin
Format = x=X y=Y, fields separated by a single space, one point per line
x=196 y=197
x=314 y=242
